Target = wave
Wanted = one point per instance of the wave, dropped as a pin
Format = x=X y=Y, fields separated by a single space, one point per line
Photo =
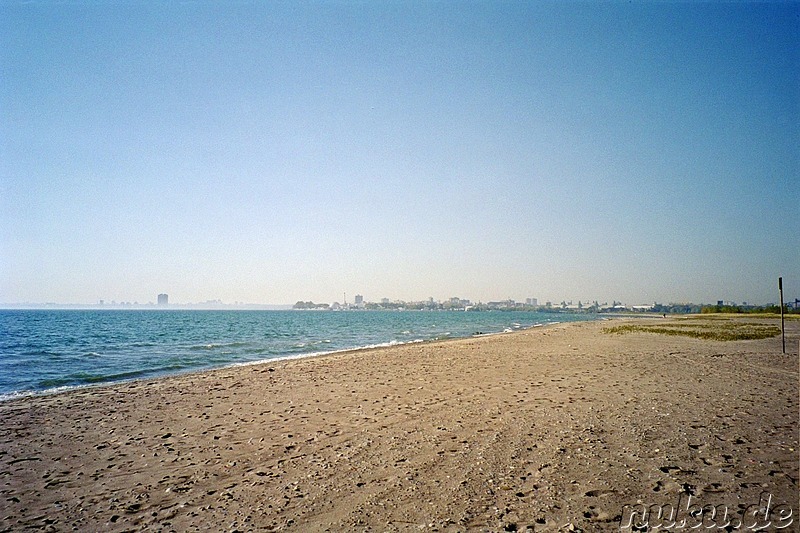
x=14 y=395
x=307 y=344
x=289 y=357
x=46 y=353
x=84 y=378
x=214 y=346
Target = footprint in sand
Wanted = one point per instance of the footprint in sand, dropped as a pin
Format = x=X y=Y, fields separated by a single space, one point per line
x=598 y=493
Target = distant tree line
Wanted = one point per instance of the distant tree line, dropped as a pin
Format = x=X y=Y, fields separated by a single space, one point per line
x=680 y=309
x=310 y=305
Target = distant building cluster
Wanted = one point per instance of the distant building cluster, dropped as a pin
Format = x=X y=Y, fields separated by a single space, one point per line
x=461 y=304
x=532 y=304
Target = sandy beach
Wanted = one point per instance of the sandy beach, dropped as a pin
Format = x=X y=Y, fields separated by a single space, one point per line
x=547 y=429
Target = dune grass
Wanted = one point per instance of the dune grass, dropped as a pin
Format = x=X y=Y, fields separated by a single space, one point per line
x=730 y=331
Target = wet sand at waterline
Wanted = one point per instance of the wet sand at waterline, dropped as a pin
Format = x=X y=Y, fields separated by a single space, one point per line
x=545 y=429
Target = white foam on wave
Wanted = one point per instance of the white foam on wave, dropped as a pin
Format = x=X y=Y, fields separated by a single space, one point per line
x=15 y=395
x=322 y=353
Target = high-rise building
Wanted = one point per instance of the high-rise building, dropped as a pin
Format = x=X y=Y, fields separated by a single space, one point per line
x=359 y=299
x=532 y=301
x=163 y=299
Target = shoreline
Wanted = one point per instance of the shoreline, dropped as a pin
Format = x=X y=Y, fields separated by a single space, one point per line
x=65 y=389
x=546 y=428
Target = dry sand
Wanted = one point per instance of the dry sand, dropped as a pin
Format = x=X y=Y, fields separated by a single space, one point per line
x=547 y=429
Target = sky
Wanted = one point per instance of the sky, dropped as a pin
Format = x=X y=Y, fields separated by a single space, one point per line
x=269 y=152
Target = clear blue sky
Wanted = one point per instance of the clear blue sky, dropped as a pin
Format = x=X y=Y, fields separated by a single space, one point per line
x=268 y=152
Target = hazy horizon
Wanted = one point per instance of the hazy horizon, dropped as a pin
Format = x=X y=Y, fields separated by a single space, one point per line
x=216 y=303
x=276 y=152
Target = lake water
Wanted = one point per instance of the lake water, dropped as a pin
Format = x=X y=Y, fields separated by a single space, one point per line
x=52 y=350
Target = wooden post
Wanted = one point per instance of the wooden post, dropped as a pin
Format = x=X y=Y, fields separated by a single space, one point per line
x=783 y=335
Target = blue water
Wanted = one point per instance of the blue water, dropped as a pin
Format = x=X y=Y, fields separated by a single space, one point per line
x=50 y=350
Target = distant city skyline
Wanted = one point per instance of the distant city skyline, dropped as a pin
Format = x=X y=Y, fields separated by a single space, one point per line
x=359 y=301
x=269 y=151
x=164 y=299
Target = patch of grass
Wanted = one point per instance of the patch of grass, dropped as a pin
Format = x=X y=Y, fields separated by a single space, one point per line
x=706 y=317
x=729 y=316
x=734 y=331
x=786 y=316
